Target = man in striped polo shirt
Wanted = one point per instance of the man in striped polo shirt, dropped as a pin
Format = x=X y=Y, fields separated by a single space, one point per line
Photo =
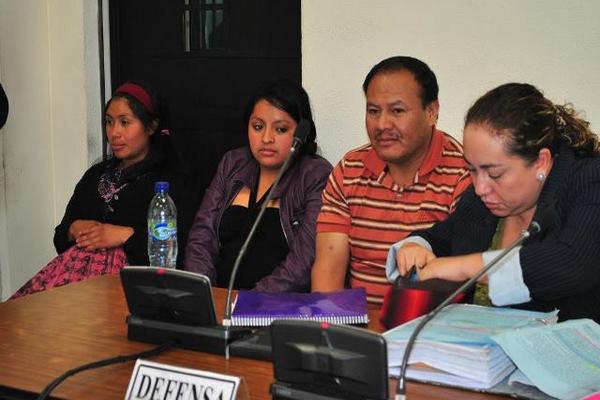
x=409 y=176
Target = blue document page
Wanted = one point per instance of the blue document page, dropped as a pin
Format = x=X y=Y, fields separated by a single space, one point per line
x=471 y=324
x=562 y=360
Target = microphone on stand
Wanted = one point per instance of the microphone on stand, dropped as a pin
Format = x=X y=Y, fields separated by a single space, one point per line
x=544 y=221
x=302 y=131
x=300 y=135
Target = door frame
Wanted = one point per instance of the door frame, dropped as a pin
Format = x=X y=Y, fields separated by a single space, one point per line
x=4 y=265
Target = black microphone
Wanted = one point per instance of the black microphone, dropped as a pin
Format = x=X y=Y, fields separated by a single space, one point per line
x=302 y=131
x=544 y=221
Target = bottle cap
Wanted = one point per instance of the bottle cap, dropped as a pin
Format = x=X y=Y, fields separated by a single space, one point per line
x=161 y=187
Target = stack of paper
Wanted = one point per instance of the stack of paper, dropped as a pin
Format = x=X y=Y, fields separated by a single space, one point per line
x=456 y=347
x=478 y=367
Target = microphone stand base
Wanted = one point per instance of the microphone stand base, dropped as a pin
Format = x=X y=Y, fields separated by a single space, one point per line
x=210 y=339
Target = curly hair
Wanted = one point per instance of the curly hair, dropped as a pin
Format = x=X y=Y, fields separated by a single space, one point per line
x=529 y=122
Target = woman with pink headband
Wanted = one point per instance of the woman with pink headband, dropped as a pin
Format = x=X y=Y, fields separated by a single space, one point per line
x=104 y=226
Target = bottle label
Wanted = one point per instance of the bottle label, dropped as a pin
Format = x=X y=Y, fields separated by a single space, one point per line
x=163 y=230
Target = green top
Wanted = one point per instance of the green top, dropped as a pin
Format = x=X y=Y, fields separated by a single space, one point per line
x=481 y=296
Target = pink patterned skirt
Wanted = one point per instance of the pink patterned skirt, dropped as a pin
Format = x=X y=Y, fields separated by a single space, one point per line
x=74 y=265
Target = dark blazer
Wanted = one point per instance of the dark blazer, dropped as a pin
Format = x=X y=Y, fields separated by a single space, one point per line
x=299 y=192
x=561 y=266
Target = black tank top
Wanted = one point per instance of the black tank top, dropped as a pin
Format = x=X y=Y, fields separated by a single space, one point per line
x=266 y=251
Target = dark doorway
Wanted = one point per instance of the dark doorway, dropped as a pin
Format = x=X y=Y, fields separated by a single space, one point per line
x=205 y=57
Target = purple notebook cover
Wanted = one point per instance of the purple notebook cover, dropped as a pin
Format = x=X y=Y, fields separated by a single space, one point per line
x=251 y=305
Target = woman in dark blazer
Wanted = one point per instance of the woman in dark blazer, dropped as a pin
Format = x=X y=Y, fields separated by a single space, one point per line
x=525 y=154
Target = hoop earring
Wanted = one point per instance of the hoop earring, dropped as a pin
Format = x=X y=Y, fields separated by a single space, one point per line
x=541 y=176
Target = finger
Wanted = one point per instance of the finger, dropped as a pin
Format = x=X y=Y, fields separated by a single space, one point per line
x=406 y=263
x=422 y=272
x=429 y=257
x=94 y=230
x=75 y=235
x=94 y=243
x=400 y=261
x=83 y=235
x=88 y=227
x=84 y=238
x=84 y=243
x=425 y=273
x=415 y=261
x=88 y=239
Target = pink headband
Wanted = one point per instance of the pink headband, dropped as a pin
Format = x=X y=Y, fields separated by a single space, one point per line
x=138 y=93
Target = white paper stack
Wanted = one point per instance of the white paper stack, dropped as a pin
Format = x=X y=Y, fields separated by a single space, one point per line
x=478 y=367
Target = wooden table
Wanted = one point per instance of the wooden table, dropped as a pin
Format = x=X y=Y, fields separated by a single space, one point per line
x=45 y=334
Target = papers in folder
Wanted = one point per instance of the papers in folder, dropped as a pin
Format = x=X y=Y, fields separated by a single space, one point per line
x=456 y=347
x=260 y=309
x=562 y=360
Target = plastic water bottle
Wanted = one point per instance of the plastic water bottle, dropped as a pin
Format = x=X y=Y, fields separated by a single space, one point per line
x=162 y=228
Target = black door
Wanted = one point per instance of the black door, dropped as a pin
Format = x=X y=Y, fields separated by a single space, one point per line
x=205 y=57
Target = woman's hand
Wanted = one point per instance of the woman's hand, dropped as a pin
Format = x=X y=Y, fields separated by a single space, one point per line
x=79 y=226
x=412 y=255
x=456 y=268
x=103 y=236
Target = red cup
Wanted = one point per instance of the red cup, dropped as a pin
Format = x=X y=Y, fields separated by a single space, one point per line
x=406 y=300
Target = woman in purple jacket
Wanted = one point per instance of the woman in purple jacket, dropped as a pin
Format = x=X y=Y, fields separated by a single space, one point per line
x=281 y=253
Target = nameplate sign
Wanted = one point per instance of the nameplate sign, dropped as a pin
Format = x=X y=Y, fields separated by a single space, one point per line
x=154 y=381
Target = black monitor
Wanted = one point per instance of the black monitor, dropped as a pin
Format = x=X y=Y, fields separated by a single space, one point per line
x=172 y=305
x=318 y=360
x=169 y=295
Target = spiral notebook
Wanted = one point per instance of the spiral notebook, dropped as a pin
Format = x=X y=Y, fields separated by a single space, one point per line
x=260 y=309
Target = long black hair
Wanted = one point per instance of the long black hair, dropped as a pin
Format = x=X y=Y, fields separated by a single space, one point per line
x=290 y=97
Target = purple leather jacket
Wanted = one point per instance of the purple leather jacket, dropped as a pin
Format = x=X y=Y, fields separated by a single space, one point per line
x=299 y=194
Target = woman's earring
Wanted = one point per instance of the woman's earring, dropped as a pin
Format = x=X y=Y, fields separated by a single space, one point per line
x=541 y=176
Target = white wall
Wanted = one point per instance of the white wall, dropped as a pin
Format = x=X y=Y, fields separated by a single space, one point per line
x=471 y=45
x=48 y=67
